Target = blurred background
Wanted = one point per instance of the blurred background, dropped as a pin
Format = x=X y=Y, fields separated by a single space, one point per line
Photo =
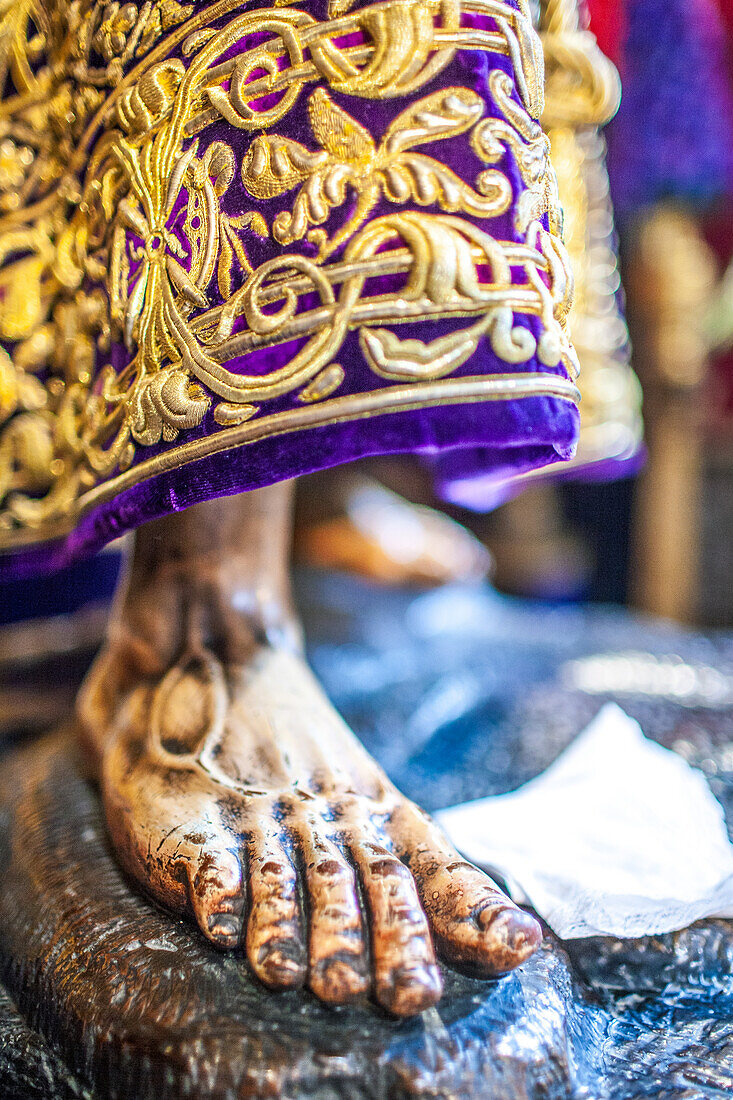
x=658 y=539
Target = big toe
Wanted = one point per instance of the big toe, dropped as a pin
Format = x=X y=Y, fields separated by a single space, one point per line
x=474 y=924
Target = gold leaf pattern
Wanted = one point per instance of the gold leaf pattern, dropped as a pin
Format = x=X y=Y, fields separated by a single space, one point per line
x=324 y=384
x=164 y=405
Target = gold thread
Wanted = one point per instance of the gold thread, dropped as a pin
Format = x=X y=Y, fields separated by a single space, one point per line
x=395 y=399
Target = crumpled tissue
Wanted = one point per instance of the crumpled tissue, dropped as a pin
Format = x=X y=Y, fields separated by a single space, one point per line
x=619 y=837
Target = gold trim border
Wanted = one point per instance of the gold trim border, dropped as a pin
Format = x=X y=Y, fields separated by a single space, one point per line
x=472 y=389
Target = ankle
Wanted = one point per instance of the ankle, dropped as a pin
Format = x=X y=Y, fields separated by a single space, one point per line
x=208 y=601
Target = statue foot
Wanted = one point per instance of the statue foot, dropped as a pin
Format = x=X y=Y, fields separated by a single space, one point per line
x=234 y=792
x=238 y=795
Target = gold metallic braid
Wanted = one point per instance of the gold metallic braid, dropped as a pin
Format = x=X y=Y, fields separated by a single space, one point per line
x=582 y=86
x=121 y=234
x=582 y=93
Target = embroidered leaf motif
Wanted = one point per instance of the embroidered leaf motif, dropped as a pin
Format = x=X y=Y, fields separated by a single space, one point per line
x=228 y=413
x=451 y=271
x=323 y=385
x=429 y=182
x=441 y=115
x=338 y=132
x=446 y=276
x=275 y=164
x=403 y=38
x=172 y=13
x=324 y=190
x=231 y=246
x=446 y=272
x=349 y=158
x=401 y=360
x=164 y=404
x=184 y=284
x=224 y=267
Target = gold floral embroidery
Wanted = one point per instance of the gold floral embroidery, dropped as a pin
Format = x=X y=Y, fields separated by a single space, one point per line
x=26 y=445
x=350 y=158
x=441 y=257
x=141 y=248
x=111 y=37
x=524 y=136
x=406 y=43
x=118 y=32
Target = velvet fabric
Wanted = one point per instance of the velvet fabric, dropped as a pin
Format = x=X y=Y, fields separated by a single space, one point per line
x=483 y=492
x=495 y=435
x=524 y=434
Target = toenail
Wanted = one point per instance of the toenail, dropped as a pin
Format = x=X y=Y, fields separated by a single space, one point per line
x=328 y=867
x=381 y=867
x=272 y=868
x=427 y=978
x=389 y=868
x=413 y=991
x=516 y=930
x=488 y=915
x=278 y=968
x=525 y=934
x=338 y=981
x=224 y=926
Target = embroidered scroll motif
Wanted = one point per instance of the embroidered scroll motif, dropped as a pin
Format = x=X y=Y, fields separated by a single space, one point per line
x=124 y=236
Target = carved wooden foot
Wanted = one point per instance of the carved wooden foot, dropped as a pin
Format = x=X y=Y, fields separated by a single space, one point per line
x=117 y=1001
x=234 y=792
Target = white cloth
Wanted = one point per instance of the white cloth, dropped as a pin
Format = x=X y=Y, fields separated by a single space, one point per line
x=619 y=837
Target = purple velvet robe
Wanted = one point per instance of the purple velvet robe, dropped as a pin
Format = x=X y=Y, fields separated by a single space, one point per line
x=360 y=256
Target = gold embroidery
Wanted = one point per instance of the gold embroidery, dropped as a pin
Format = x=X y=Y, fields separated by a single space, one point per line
x=26 y=446
x=446 y=391
x=324 y=384
x=517 y=132
x=142 y=250
x=119 y=32
x=350 y=158
x=403 y=48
